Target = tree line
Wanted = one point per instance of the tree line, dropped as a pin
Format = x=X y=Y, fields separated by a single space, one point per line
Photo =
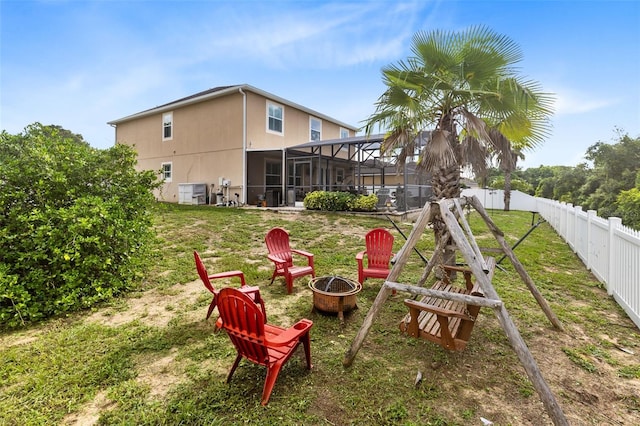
x=607 y=182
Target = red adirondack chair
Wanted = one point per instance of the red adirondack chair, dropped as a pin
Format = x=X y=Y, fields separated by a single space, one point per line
x=378 y=253
x=281 y=254
x=254 y=291
x=261 y=343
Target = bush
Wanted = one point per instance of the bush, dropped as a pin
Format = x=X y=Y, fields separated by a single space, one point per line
x=364 y=203
x=339 y=201
x=629 y=207
x=74 y=223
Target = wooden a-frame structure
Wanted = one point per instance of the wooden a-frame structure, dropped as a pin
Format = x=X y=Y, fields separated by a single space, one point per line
x=451 y=213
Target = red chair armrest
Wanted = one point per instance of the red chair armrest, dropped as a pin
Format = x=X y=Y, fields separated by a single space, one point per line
x=303 y=253
x=292 y=333
x=229 y=274
x=275 y=258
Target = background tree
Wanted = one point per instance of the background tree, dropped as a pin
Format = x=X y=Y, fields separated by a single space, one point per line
x=535 y=175
x=516 y=184
x=629 y=207
x=614 y=170
x=507 y=157
x=74 y=223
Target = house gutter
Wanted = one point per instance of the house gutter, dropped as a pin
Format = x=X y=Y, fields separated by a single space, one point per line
x=244 y=145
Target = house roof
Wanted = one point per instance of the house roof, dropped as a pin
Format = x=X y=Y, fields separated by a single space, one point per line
x=223 y=91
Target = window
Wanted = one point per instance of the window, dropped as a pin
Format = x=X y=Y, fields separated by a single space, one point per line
x=344 y=133
x=167 y=126
x=166 y=171
x=273 y=173
x=315 y=127
x=275 y=118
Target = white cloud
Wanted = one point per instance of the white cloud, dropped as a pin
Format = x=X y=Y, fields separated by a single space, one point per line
x=328 y=36
x=569 y=101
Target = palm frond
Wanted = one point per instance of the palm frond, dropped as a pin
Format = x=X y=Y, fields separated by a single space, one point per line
x=437 y=152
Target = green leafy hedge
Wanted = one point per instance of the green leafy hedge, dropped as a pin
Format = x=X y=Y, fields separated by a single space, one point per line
x=340 y=201
x=74 y=223
x=629 y=207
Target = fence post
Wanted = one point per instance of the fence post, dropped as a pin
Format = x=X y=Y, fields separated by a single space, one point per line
x=614 y=223
x=590 y=215
x=574 y=239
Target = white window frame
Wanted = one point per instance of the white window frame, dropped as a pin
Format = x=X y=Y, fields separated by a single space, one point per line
x=270 y=105
x=344 y=133
x=312 y=128
x=167 y=122
x=167 y=177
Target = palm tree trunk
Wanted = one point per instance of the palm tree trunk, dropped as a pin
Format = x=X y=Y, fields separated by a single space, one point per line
x=507 y=190
x=445 y=184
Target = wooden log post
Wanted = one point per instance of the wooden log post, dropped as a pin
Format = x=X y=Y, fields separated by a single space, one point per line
x=437 y=257
x=526 y=278
x=401 y=259
x=515 y=339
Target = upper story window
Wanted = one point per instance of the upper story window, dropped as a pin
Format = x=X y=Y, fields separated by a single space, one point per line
x=344 y=133
x=166 y=171
x=167 y=126
x=315 y=129
x=275 y=118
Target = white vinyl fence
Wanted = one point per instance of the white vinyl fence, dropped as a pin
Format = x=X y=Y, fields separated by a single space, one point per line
x=610 y=250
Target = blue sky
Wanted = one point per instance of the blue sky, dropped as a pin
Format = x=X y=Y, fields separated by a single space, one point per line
x=79 y=64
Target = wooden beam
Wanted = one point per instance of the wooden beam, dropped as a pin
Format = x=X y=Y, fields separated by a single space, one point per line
x=517 y=343
x=401 y=259
x=526 y=278
x=456 y=297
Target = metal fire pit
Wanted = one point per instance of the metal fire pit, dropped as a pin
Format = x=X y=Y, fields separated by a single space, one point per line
x=334 y=294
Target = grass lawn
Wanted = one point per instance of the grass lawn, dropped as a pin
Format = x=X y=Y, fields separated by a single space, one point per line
x=151 y=358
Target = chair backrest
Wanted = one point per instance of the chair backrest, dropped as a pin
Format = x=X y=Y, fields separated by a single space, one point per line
x=244 y=322
x=277 y=240
x=202 y=272
x=379 y=243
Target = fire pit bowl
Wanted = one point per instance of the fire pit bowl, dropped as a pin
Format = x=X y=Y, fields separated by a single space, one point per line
x=334 y=294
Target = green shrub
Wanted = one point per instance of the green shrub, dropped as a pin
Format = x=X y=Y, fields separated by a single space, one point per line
x=339 y=201
x=629 y=207
x=74 y=223
x=364 y=203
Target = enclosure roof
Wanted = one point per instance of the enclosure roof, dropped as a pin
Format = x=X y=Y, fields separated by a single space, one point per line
x=372 y=142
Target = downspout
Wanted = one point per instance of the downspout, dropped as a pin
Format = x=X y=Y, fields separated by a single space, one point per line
x=244 y=145
x=115 y=134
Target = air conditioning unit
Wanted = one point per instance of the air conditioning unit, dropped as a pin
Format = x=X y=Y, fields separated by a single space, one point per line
x=192 y=193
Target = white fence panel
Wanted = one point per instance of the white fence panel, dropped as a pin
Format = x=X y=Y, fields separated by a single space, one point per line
x=610 y=250
x=625 y=271
x=598 y=246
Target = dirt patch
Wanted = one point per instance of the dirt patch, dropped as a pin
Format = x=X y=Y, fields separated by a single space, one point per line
x=154 y=307
x=90 y=413
x=158 y=374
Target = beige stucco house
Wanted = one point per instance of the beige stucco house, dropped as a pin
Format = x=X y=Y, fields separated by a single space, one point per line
x=229 y=145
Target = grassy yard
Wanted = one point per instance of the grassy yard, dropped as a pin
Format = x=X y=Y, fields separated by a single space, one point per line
x=151 y=358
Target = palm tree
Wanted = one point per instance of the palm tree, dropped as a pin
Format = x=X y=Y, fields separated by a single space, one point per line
x=507 y=157
x=458 y=85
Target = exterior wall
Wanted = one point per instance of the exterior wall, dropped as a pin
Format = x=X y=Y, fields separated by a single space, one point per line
x=206 y=144
x=296 y=126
